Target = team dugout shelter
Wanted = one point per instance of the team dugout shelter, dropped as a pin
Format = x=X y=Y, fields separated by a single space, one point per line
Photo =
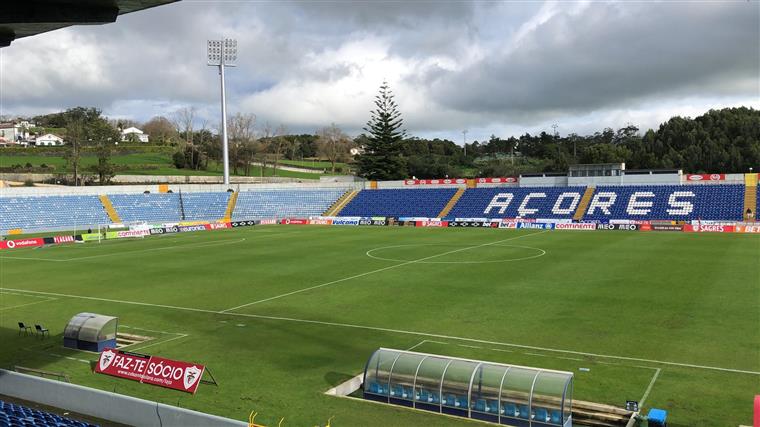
x=506 y=394
x=91 y=332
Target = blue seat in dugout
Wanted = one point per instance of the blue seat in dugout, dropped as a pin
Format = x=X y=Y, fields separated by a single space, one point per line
x=428 y=397
x=462 y=402
x=402 y=392
x=541 y=414
x=524 y=411
x=509 y=409
x=556 y=417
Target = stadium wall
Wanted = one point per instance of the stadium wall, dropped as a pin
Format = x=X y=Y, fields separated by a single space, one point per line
x=105 y=405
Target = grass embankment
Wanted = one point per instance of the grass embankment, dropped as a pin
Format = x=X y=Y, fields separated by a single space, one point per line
x=133 y=164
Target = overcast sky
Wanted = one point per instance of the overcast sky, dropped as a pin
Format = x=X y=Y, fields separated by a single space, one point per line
x=496 y=67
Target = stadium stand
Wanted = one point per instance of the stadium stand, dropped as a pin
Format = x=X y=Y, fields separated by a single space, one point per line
x=284 y=203
x=544 y=202
x=667 y=202
x=147 y=207
x=12 y=414
x=399 y=202
x=204 y=206
x=48 y=212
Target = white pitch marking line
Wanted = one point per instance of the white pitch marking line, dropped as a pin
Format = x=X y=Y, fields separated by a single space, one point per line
x=201 y=244
x=649 y=388
x=416 y=345
x=401 y=331
x=150 y=330
x=23 y=295
x=29 y=303
x=379 y=270
x=180 y=336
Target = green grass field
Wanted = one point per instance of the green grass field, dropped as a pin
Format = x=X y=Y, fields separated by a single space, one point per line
x=141 y=164
x=280 y=314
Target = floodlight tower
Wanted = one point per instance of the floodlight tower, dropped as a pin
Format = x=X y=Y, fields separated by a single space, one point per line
x=223 y=53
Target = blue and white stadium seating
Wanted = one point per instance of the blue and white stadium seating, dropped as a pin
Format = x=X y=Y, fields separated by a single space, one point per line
x=652 y=202
x=667 y=202
x=428 y=202
x=162 y=207
x=204 y=206
x=284 y=203
x=530 y=202
x=14 y=415
x=50 y=212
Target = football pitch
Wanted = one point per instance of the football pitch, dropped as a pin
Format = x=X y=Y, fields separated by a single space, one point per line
x=280 y=314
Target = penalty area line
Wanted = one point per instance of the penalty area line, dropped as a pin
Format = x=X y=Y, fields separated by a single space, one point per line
x=400 y=331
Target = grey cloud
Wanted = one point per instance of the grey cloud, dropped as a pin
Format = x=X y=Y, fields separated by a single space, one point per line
x=610 y=54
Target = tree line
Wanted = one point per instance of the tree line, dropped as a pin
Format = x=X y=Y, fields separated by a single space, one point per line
x=726 y=140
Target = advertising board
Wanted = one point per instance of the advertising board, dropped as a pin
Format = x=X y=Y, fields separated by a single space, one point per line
x=585 y=226
x=153 y=370
x=619 y=227
x=706 y=177
x=21 y=243
x=536 y=225
x=709 y=228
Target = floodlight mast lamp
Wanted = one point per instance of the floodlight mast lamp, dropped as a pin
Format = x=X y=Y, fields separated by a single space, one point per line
x=223 y=53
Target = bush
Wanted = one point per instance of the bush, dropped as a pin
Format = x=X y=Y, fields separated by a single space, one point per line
x=28 y=183
x=179 y=160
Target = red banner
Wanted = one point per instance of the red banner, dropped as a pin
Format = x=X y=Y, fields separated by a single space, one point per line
x=297 y=221
x=748 y=229
x=432 y=224
x=506 y=180
x=706 y=177
x=218 y=225
x=709 y=228
x=21 y=243
x=575 y=226
x=444 y=181
x=64 y=239
x=154 y=370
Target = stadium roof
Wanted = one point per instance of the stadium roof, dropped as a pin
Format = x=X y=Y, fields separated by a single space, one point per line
x=23 y=18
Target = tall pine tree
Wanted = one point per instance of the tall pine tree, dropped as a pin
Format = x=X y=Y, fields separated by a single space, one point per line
x=382 y=153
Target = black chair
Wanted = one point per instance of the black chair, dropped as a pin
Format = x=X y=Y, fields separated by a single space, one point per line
x=24 y=328
x=41 y=330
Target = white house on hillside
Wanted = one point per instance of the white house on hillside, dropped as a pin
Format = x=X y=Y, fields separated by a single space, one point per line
x=9 y=132
x=49 y=139
x=133 y=132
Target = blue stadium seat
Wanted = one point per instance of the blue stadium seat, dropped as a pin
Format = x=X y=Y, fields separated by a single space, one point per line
x=524 y=411
x=667 y=202
x=428 y=202
x=204 y=206
x=510 y=202
x=18 y=415
x=284 y=203
x=159 y=207
x=509 y=409
x=50 y=212
x=556 y=416
x=541 y=414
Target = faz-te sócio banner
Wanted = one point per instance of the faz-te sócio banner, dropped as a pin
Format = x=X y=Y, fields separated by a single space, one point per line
x=154 y=370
